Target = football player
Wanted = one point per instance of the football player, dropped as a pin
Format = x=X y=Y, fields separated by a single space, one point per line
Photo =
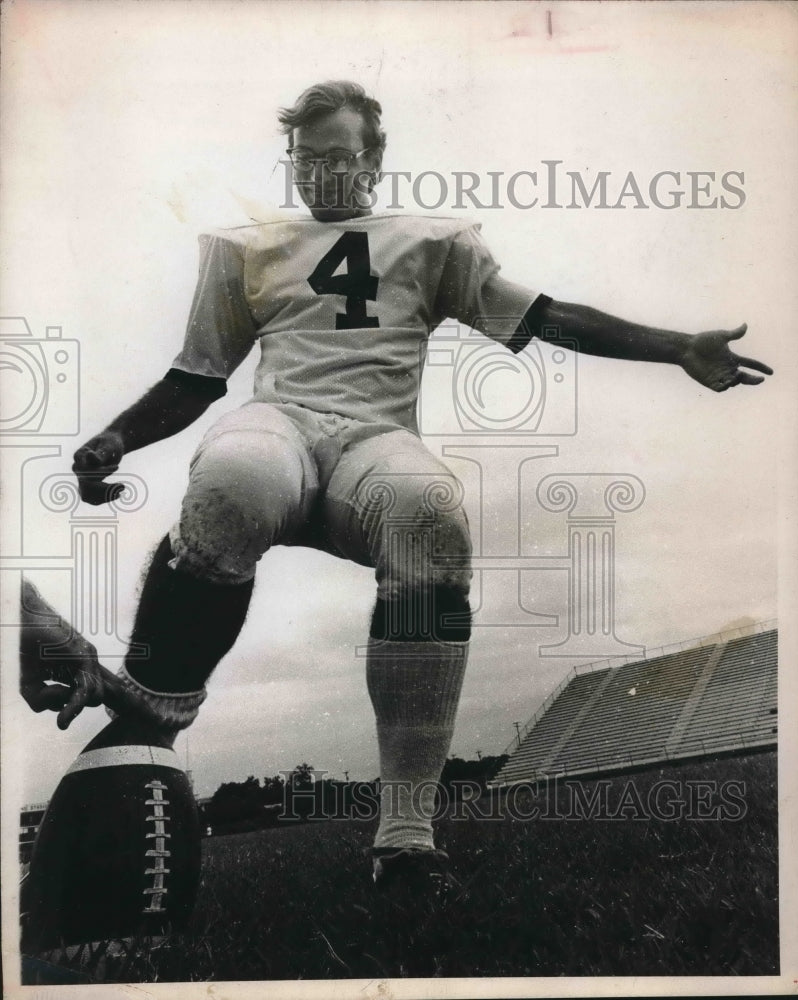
x=327 y=452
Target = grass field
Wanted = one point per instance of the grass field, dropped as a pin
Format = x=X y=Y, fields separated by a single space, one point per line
x=538 y=897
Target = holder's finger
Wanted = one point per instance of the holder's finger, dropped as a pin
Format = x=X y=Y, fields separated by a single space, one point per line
x=45 y=697
x=119 y=699
x=736 y=334
x=759 y=366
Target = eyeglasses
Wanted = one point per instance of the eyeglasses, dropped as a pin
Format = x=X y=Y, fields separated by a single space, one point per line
x=337 y=160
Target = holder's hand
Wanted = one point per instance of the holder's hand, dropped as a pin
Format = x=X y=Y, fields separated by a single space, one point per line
x=93 y=462
x=71 y=679
x=709 y=360
x=77 y=685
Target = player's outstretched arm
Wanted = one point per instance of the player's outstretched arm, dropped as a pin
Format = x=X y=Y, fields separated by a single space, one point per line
x=706 y=357
x=165 y=409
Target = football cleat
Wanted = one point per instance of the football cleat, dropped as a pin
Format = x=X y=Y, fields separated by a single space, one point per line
x=412 y=874
x=413 y=886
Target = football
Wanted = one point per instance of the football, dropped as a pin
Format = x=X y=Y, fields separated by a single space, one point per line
x=118 y=850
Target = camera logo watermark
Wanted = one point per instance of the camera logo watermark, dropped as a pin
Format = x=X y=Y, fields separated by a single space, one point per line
x=473 y=385
x=40 y=381
x=40 y=404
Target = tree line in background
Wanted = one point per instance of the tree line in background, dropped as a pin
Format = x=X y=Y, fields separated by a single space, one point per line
x=301 y=795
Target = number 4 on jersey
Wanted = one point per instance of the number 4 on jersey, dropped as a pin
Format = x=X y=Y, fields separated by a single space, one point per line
x=358 y=284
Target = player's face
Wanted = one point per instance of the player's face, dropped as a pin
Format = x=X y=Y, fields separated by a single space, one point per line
x=338 y=193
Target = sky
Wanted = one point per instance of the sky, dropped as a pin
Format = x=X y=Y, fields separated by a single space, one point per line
x=130 y=128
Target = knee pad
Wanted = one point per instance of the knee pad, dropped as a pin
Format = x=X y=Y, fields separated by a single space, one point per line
x=425 y=554
x=246 y=493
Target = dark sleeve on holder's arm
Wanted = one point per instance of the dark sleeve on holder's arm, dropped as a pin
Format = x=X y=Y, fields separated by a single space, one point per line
x=167 y=408
x=529 y=326
x=208 y=386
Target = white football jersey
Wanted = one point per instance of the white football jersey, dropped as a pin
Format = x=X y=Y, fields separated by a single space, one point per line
x=343 y=310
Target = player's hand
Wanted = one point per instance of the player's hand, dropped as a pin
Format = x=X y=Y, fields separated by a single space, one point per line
x=93 y=462
x=709 y=360
x=76 y=685
x=65 y=683
x=69 y=679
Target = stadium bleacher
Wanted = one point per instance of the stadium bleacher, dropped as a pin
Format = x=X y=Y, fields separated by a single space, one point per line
x=29 y=821
x=705 y=700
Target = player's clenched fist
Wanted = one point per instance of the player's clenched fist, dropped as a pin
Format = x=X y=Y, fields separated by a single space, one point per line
x=93 y=462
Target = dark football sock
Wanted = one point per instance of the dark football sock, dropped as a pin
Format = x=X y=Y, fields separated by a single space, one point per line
x=186 y=624
x=440 y=614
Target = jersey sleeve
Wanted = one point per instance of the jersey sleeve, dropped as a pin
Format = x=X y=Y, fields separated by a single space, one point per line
x=473 y=291
x=220 y=330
